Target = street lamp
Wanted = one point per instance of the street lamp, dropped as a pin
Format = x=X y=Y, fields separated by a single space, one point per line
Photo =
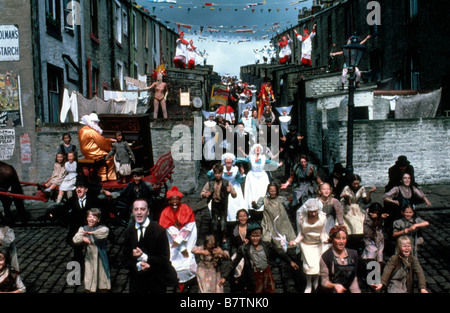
x=353 y=53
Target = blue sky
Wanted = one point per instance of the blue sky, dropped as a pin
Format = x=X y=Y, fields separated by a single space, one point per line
x=226 y=24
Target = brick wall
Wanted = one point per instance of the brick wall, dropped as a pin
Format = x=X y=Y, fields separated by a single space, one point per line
x=377 y=145
x=378 y=142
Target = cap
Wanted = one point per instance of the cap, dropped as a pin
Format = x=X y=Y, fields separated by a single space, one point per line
x=252 y=227
x=138 y=171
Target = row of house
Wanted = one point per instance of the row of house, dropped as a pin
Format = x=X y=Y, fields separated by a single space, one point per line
x=87 y=46
x=407 y=60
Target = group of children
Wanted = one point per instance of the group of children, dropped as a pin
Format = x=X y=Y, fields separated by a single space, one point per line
x=65 y=169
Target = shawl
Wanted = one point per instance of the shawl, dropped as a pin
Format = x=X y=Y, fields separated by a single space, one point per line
x=183 y=216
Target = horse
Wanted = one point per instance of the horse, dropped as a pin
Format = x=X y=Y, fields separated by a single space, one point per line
x=10 y=179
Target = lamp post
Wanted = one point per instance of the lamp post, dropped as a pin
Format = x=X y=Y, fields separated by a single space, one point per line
x=353 y=53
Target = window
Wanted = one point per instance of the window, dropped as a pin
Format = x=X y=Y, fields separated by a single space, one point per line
x=135 y=70
x=135 y=30
x=55 y=90
x=415 y=74
x=125 y=22
x=145 y=33
x=72 y=16
x=51 y=9
x=94 y=18
x=119 y=73
x=53 y=18
x=413 y=8
x=118 y=19
x=95 y=80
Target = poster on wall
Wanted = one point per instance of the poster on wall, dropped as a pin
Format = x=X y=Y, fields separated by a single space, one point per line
x=10 y=101
x=9 y=43
x=7 y=143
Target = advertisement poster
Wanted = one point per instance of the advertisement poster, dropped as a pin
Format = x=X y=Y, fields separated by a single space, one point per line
x=7 y=143
x=9 y=43
x=10 y=102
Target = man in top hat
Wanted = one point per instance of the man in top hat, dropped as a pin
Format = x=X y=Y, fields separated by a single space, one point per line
x=94 y=146
x=396 y=172
x=179 y=221
x=136 y=189
x=74 y=213
x=265 y=131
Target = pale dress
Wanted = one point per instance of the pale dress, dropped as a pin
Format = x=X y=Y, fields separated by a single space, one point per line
x=354 y=214
x=311 y=238
x=257 y=180
x=69 y=181
x=208 y=274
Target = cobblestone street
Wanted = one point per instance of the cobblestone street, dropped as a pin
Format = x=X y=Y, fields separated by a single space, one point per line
x=44 y=255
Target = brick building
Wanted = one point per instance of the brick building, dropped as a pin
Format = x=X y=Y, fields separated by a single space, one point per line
x=86 y=46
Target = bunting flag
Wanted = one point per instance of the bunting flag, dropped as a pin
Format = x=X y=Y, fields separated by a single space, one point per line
x=216 y=29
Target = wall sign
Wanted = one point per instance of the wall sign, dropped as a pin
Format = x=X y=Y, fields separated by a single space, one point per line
x=7 y=143
x=9 y=43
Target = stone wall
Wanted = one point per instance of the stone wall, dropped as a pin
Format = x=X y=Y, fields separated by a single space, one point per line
x=186 y=171
x=165 y=136
x=377 y=141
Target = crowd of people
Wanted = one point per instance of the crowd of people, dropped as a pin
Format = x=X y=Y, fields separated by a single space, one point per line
x=328 y=221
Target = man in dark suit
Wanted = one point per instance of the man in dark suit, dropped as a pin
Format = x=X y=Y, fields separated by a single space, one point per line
x=146 y=253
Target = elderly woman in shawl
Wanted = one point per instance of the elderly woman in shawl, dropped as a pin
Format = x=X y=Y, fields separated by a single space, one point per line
x=179 y=221
x=94 y=146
